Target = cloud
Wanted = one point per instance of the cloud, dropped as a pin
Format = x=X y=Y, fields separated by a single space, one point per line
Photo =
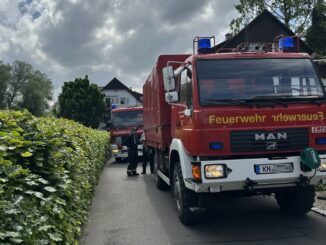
x=105 y=38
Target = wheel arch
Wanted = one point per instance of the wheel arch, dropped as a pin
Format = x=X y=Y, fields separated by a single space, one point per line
x=178 y=154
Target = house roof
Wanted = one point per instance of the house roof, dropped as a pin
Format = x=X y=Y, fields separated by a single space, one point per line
x=264 y=28
x=115 y=84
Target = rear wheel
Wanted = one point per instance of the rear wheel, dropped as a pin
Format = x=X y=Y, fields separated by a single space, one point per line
x=185 y=198
x=297 y=201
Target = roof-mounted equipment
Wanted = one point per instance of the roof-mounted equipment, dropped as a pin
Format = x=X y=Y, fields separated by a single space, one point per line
x=203 y=45
x=287 y=44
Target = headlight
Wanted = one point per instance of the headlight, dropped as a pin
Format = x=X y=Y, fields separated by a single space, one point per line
x=322 y=167
x=215 y=171
x=114 y=151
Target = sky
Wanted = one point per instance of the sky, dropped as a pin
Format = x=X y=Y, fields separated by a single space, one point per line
x=103 y=39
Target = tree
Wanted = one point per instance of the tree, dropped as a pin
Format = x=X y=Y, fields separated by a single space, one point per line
x=316 y=33
x=36 y=93
x=82 y=102
x=295 y=14
x=21 y=73
x=5 y=77
x=23 y=87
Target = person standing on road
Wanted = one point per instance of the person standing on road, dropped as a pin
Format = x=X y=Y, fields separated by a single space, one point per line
x=132 y=143
x=148 y=155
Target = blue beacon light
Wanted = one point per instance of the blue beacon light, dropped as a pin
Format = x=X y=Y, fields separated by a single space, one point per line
x=204 y=45
x=286 y=43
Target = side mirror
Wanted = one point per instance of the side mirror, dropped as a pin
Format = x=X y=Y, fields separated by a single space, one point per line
x=171 y=97
x=168 y=77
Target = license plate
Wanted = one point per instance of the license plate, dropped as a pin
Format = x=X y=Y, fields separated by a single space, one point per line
x=274 y=168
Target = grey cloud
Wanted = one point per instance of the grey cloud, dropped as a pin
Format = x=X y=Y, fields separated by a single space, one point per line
x=139 y=53
x=179 y=11
x=70 y=42
x=143 y=29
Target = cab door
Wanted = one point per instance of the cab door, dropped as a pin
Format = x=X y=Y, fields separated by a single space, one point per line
x=182 y=112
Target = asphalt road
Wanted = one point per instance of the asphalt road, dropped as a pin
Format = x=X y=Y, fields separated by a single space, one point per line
x=132 y=211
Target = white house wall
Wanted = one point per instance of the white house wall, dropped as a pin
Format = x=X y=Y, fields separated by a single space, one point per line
x=116 y=96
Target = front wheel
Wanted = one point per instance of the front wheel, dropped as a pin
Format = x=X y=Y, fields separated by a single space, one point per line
x=297 y=201
x=185 y=198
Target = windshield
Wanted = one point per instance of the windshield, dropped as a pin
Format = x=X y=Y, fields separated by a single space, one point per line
x=123 y=119
x=253 y=79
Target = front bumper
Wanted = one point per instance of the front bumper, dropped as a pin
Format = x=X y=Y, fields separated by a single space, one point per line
x=123 y=153
x=242 y=176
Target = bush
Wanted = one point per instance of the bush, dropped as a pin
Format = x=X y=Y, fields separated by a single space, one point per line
x=48 y=170
x=321 y=187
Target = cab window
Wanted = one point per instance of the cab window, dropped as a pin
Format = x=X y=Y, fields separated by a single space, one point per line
x=186 y=87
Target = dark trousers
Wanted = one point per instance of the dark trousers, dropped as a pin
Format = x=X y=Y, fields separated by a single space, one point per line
x=148 y=156
x=133 y=160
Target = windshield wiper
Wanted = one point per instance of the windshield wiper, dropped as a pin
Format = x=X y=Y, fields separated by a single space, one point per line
x=312 y=99
x=274 y=99
x=230 y=101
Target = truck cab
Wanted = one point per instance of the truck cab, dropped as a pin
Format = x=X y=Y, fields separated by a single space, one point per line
x=246 y=121
x=122 y=121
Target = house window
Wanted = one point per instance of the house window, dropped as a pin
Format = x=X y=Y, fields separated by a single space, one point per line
x=123 y=101
x=108 y=101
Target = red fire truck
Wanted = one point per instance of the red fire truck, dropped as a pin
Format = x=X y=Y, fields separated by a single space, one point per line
x=122 y=121
x=243 y=121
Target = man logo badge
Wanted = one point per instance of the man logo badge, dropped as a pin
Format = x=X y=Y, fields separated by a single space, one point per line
x=271 y=145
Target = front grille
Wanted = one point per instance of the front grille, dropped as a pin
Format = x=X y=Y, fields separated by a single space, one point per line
x=248 y=141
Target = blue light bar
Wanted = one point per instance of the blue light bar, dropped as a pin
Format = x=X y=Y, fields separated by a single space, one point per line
x=204 y=43
x=286 y=43
x=216 y=145
x=321 y=141
x=114 y=106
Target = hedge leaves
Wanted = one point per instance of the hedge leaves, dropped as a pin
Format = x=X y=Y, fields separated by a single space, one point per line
x=48 y=170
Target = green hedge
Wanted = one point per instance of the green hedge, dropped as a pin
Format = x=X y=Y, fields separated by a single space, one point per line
x=48 y=170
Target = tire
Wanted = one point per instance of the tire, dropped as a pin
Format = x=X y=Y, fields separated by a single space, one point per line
x=118 y=159
x=298 y=201
x=185 y=198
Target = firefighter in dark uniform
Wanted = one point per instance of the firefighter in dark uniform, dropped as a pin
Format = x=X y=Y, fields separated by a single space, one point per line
x=148 y=155
x=132 y=142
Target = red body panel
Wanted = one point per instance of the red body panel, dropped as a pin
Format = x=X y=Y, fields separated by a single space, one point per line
x=157 y=113
x=212 y=125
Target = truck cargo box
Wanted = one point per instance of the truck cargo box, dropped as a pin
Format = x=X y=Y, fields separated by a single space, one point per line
x=157 y=114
